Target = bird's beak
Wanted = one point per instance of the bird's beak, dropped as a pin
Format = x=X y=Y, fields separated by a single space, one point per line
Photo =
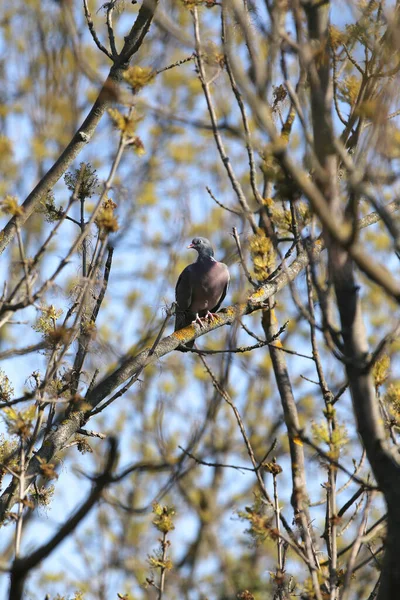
x=190 y=246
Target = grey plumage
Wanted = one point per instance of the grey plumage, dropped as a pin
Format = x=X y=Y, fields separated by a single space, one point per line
x=201 y=286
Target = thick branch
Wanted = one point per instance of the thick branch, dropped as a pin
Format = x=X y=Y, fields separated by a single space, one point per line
x=299 y=499
x=342 y=259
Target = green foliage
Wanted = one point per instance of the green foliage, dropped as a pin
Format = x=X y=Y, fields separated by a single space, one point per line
x=335 y=438
x=262 y=254
x=9 y=205
x=160 y=560
x=245 y=595
x=156 y=561
x=261 y=521
x=6 y=389
x=138 y=77
x=48 y=208
x=8 y=167
x=42 y=497
x=82 y=182
x=8 y=454
x=350 y=89
x=392 y=396
x=380 y=371
x=127 y=124
x=46 y=323
x=336 y=37
x=163 y=520
x=47 y=469
x=272 y=467
x=83 y=445
x=106 y=220
x=19 y=423
x=77 y=596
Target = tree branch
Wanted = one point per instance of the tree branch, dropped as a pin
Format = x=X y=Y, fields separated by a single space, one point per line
x=22 y=566
x=107 y=94
x=131 y=365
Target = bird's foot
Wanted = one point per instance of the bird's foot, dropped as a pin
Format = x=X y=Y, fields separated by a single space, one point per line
x=211 y=316
x=198 y=321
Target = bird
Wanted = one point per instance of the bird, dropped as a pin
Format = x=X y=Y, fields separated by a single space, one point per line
x=200 y=289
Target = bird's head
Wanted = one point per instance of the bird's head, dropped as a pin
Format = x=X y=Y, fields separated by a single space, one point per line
x=202 y=246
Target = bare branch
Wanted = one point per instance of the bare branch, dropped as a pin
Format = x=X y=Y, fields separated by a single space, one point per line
x=130 y=366
x=107 y=94
x=22 y=566
x=93 y=33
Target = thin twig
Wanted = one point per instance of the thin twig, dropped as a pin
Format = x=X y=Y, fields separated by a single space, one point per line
x=178 y=63
x=21 y=479
x=22 y=566
x=91 y=433
x=242 y=261
x=217 y=137
x=334 y=462
x=136 y=376
x=231 y=210
x=93 y=31
x=163 y=569
x=356 y=547
x=110 y=29
x=224 y=394
x=23 y=261
x=200 y=461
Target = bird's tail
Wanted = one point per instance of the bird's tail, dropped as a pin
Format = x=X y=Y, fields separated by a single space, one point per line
x=182 y=320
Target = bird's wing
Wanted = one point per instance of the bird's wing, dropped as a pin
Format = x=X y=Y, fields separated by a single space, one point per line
x=183 y=296
x=224 y=291
x=184 y=288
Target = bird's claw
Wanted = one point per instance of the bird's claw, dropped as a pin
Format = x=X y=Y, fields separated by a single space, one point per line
x=198 y=321
x=210 y=316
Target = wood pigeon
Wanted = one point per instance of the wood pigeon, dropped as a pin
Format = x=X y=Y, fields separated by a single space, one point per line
x=201 y=287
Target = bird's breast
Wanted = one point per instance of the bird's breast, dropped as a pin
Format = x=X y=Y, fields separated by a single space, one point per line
x=208 y=289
